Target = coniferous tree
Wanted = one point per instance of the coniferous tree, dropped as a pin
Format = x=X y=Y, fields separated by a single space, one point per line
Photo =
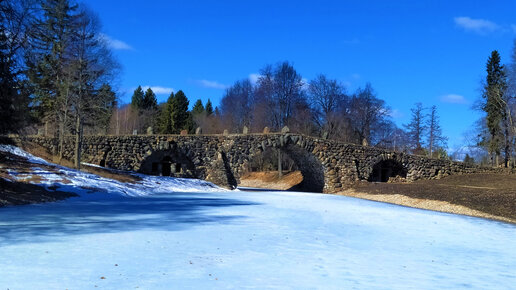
x=8 y=92
x=179 y=112
x=137 y=98
x=149 y=101
x=209 y=108
x=198 y=108
x=107 y=103
x=494 y=106
x=165 y=122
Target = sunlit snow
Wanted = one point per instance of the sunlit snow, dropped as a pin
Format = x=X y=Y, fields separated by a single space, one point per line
x=154 y=235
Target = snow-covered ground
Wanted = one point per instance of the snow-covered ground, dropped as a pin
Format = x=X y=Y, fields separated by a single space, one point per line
x=165 y=238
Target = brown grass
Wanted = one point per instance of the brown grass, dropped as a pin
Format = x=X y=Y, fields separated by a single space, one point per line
x=270 y=179
x=487 y=195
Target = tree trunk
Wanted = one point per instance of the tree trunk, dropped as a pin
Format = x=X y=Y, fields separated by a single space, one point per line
x=280 y=170
x=78 y=142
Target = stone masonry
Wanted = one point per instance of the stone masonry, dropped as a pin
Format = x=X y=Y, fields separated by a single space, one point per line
x=326 y=165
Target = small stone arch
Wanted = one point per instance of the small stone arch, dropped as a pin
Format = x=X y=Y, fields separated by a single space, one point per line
x=385 y=169
x=170 y=162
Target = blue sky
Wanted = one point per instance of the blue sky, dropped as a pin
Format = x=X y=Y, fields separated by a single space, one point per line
x=432 y=52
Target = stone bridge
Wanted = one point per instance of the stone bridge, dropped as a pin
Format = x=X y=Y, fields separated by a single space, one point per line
x=326 y=165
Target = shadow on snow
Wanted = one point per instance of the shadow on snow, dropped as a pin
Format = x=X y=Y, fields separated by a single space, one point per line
x=111 y=214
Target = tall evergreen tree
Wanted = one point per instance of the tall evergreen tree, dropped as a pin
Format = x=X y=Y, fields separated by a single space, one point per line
x=8 y=93
x=494 y=106
x=209 y=108
x=107 y=103
x=149 y=101
x=137 y=98
x=179 y=112
x=165 y=122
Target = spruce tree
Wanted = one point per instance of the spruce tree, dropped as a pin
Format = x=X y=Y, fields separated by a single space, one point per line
x=198 y=108
x=179 y=112
x=137 y=98
x=149 y=101
x=107 y=103
x=494 y=106
x=165 y=121
x=209 y=108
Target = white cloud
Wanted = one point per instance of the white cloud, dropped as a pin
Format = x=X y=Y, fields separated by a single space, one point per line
x=211 y=84
x=115 y=43
x=480 y=26
x=254 y=78
x=454 y=99
x=395 y=113
x=159 y=90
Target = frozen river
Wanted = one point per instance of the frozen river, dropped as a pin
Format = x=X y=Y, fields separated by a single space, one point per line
x=249 y=240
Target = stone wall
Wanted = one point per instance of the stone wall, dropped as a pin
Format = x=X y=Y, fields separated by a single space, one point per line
x=326 y=165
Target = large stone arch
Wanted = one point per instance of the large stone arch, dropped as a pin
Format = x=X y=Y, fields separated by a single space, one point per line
x=311 y=167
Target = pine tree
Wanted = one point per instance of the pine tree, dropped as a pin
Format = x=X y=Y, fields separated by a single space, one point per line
x=107 y=103
x=48 y=62
x=179 y=112
x=149 y=101
x=165 y=121
x=435 y=135
x=137 y=98
x=7 y=90
x=209 y=108
x=198 y=108
x=494 y=106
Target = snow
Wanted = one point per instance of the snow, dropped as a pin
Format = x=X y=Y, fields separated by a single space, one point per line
x=86 y=184
x=245 y=239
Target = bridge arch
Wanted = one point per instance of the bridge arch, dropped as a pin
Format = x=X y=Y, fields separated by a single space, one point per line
x=311 y=167
x=383 y=168
x=175 y=162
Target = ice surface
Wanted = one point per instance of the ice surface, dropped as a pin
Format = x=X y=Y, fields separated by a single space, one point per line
x=227 y=239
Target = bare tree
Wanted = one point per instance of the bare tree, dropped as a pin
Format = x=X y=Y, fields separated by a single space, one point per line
x=435 y=135
x=281 y=88
x=236 y=105
x=417 y=128
x=328 y=99
x=367 y=113
x=91 y=68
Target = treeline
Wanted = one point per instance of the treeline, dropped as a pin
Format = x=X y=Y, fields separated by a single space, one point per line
x=323 y=107
x=56 y=70
x=281 y=97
